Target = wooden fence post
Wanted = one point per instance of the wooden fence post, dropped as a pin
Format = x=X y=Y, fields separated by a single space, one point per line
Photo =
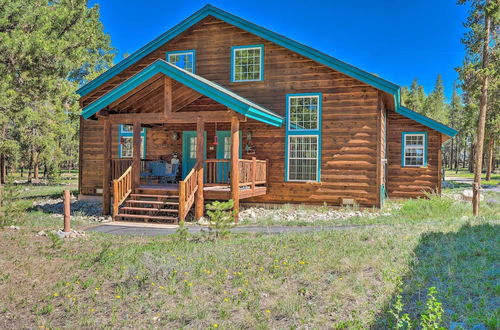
x=67 y=211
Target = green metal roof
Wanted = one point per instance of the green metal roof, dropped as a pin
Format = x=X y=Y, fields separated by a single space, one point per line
x=199 y=84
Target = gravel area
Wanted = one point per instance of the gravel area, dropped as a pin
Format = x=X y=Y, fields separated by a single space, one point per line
x=256 y=215
x=91 y=211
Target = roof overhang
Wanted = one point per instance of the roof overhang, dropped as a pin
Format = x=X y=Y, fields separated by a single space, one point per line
x=201 y=85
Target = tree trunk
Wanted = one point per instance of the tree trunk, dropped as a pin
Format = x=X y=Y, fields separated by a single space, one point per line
x=489 y=164
x=481 y=123
x=471 y=157
x=452 y=153
x=3 y=173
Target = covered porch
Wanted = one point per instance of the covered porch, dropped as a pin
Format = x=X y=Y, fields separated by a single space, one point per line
x=182 y=172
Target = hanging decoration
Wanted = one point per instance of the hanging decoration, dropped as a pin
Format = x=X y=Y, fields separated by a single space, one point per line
x=216 y=140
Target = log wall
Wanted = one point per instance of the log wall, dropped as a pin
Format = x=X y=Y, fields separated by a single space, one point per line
x=410 y=182
x=351 y=125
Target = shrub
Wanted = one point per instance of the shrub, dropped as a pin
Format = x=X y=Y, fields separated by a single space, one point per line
x=10 y=210
x=221 y=218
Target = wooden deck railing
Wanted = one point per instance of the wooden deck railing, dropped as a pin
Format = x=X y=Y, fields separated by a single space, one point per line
x=119 y=166
x=252 y=172
x=187 y=191
x=122 y=187
x=217 y=171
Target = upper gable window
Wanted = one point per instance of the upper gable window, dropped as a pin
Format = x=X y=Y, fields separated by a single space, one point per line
x=247 y=63
x=184 y=59
x=303 y=112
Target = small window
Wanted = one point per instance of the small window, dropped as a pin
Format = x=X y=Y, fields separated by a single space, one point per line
x=303 y=112
x=414 y=149
x=183 y=59
x=303 y=158
x=247 y=63
x=126 y=142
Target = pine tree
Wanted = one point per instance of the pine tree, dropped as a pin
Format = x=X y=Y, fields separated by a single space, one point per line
x=47 y=49
x=479 y=74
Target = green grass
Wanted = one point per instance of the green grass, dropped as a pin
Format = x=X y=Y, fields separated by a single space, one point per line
x=495 y=177
x=330 y=279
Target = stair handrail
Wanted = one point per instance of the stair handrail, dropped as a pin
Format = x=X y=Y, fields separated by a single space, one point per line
x=122 y=187
x=187 y=191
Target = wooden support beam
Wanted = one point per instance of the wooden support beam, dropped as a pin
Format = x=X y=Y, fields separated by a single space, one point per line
x=174 y=118
x=136 y=170
x=167 y=95
x=235 y=171
x=106 y=179
x=200 y=144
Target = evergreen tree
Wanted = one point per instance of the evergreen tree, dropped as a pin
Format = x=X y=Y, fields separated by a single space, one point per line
x=47 y=49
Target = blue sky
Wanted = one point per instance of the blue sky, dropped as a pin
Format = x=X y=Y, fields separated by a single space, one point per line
x=399 y=40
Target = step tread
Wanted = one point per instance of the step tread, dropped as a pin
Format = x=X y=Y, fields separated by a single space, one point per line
x=149 y=217
x=131 y=208
x=133 y=201
x=152 y=196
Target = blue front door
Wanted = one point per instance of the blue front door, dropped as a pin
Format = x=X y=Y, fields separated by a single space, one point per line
x=189 y=151
x=224 y=152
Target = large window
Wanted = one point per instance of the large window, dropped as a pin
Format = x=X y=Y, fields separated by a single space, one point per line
x=303 y=137
x=414 y=149
x=247 y=63
x=303 y=112
x=303 y=158
x=183 y=59
x=126 y=142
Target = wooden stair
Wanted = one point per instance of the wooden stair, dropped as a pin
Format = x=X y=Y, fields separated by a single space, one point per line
x=150 y=207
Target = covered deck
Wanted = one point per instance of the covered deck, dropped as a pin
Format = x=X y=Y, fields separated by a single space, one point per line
x=178 y=94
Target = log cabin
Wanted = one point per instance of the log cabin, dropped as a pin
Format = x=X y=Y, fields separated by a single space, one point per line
x=219 y=108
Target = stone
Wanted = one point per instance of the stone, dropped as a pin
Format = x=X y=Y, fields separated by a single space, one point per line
x=467 y=195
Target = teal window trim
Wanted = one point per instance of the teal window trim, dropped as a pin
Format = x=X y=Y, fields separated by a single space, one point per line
x=188 y=51
x=303 y=132
x=123 y=133
x=234 y=48
x=403 y=147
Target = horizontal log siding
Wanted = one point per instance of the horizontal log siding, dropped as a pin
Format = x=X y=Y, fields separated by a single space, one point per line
x=410 y=182
x=349 y=130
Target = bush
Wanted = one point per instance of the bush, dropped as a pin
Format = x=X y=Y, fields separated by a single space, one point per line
x=10 y=210
x=221 y=218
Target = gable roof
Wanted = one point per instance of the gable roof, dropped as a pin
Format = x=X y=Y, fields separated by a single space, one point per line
x=199 y=84
x=209 y=10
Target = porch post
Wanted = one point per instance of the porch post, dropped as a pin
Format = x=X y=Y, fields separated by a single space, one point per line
x=106 y=178
x=235 y=171
x=137 y=154
x=200 y=144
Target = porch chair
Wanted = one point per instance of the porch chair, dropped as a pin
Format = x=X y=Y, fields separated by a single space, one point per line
x=172 y=174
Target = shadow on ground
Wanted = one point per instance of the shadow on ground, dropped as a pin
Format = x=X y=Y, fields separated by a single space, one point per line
x=78 y=207
x=464 y=267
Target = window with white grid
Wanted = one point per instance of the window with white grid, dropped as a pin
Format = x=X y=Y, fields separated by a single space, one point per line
x=184 y=60
x=227 y=147
x=192 y=147
x=303 y=112
x=303 y=158
x=414 y=149
x=247 y=63
x=127 y=147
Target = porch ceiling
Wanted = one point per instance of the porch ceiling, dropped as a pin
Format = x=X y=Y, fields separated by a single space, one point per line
x=144 y=92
